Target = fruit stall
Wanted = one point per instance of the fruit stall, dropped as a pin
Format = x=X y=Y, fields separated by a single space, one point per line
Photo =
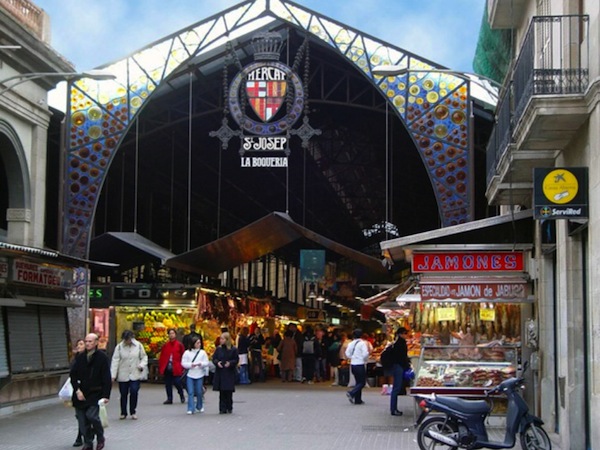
x=151 y=324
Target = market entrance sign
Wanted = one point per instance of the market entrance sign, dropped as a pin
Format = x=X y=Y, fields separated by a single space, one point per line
x=560 y=193
x=266 y=99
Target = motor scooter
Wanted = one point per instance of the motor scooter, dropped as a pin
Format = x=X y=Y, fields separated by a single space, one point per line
x=463 y=422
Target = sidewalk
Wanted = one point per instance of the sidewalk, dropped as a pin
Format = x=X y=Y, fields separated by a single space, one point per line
x=266 y=416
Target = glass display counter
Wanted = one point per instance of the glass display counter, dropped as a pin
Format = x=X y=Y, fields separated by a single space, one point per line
x=464 y=371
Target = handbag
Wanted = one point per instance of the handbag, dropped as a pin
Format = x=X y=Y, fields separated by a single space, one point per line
x=66 y=391
x=103 y=413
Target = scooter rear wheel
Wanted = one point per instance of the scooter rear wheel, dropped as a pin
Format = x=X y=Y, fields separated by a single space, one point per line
x=535 y=437
x=439 y=425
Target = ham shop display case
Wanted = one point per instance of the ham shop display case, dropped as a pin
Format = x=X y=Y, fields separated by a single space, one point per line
x=464 y=371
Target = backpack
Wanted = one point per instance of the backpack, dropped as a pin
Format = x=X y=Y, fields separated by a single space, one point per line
x=387 y=357
x=308 y=346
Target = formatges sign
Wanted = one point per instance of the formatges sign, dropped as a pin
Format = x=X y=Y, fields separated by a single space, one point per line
x=444 y=262
x=28 y=272
x=516 y=290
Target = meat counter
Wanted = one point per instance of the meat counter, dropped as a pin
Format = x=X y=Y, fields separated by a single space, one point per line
x=464 y=371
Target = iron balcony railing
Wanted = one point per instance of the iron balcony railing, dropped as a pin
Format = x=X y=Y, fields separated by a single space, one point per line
x=553 y=60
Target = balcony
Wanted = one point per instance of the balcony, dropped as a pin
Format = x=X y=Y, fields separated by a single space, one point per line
x=542 y=108
x=30 y=16
x=504 y=13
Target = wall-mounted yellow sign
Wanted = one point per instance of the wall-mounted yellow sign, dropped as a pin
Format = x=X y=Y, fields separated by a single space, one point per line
x=446 y=314
x=487 y=314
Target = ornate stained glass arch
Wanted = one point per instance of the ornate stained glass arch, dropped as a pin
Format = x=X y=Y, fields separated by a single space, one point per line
x=435 y=107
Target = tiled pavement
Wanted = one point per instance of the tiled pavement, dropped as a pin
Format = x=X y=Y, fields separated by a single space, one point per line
x=266 y=416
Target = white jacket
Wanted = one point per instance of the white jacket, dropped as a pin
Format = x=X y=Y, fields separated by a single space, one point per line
x=198 y=371
x=129 y=362
x=358 y=352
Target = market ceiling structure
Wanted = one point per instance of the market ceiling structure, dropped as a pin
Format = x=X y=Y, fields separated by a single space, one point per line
x=394 y=156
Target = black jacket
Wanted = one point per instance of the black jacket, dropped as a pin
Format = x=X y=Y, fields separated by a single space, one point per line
x=224 y=378
x=92 y=377
x=400 y=352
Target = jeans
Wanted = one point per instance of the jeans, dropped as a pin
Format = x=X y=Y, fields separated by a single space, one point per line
x=398 y=373
x=171 y=380
x=244 y=379
x=257 y=370
x=360 y=374
x=89 y=423
x=308 y=366
x=194 y=388
x=298 y=369
x=129 y=388
x=321 y=369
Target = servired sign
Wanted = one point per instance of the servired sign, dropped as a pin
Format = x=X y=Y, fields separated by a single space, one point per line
x=445 y=262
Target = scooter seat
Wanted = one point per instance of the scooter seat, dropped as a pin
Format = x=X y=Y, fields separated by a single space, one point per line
x=466 y=406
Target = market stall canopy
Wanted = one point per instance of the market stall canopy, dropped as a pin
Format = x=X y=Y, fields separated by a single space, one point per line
x=18 y=250
x=262 y=237
x=389 y=295
x=515 y=229
x=128 y=249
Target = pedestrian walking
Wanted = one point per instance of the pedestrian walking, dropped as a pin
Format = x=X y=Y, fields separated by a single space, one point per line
x=90 y=378
x=79 y=349
x=358 y=353
x=169 y=365
x=401 y=362
x=243 y=344
x=287 y=350
x=257 y=368
x=225 y=360
x=195 y=361
x=128 y=366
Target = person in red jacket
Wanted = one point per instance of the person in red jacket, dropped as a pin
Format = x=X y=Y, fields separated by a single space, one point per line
x=169 y=365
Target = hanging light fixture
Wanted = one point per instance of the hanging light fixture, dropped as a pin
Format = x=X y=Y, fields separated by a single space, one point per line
x=320 y=297
x=311 y=293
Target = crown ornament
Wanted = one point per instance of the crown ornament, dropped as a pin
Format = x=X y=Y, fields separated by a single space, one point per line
x=267 y=46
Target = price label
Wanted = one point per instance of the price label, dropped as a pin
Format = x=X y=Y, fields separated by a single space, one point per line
x=487 y=314
x=446 y=314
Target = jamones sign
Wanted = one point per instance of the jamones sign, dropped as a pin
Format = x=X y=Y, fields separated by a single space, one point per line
x=443 y=262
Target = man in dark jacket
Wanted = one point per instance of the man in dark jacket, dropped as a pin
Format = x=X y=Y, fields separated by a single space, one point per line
x=257 y=340
x=90 y=377
x=189 y=338
x=400 y=364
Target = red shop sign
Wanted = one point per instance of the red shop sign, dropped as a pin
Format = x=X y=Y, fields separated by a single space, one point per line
x=510 y=290
x=442 y=262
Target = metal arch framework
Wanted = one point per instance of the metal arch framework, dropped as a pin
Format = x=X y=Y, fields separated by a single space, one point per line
x=434 y=107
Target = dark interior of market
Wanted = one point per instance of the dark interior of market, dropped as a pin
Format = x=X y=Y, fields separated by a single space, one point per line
x=336 y=187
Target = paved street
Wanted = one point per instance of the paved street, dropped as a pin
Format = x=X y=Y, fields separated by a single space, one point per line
x=266 y=416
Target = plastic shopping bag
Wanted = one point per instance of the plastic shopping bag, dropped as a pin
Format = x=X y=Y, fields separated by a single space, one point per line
x=103 y=413
x=66 y=391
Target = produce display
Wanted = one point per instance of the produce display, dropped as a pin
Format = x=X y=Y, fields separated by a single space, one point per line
x=150 y=326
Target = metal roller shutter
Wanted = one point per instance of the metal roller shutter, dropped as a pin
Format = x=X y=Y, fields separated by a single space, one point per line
x=24 y=339
x=55 y=351
x=3 y=352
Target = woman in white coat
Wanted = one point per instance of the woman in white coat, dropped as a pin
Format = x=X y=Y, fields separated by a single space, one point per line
x=195 y=361
x=129 y=366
